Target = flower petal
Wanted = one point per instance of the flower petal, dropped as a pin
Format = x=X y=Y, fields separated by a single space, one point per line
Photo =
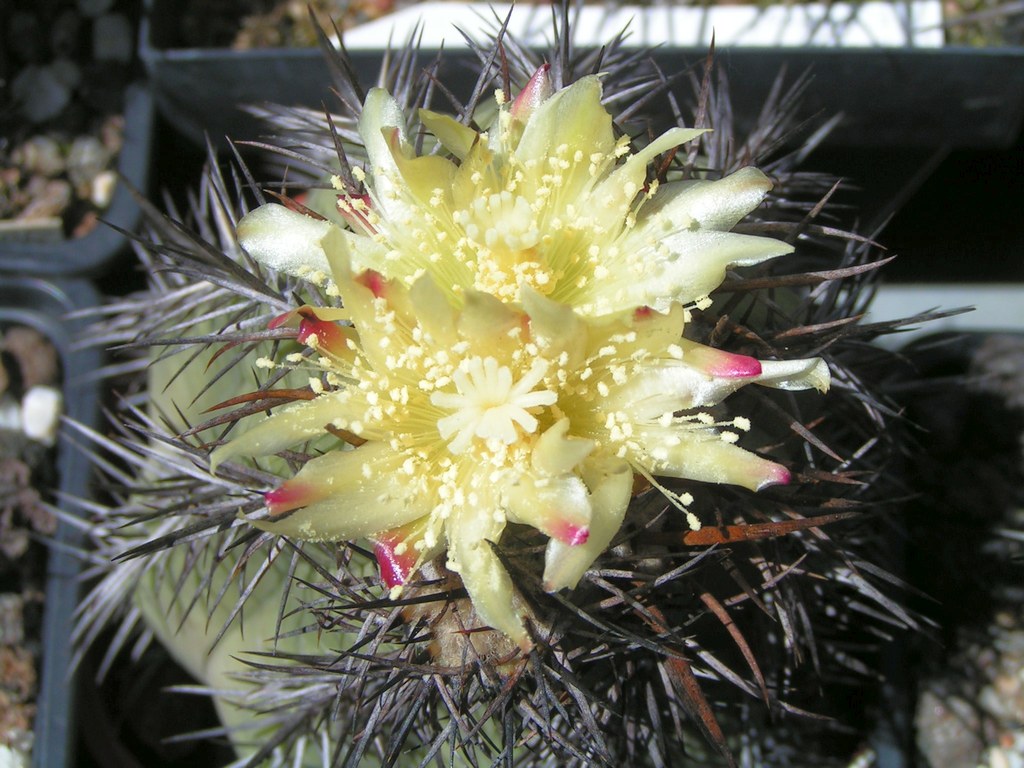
x=485 y=320
x=400 y=550
x=556 y=506
x=611 y=483
x=702 y=455
x=424 y=176
x=719 y=363
x=554 y=326
x=657 y=330
x=806 y=373
x=667 y=267
x=348 y=495
x=286 y=427
x=718 y=205
x=453 y=135
x=380 y=120
x=704 y=376
x=470 y=533
x=657 y=388
x=538 y=90
x=616 y=193
x=294 y=317
x=689 y=265
x=434 y=310
x=556 y=453
x=284 y=240
x=574 y=117
x=359 y=252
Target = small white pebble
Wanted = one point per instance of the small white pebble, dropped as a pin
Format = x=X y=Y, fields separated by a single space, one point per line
x=40 y=413
x=10 y=757
x=101 y=188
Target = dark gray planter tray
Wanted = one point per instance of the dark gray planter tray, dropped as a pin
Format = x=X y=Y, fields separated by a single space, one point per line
x=904 y=110
x=891 y=97
x=42 y=305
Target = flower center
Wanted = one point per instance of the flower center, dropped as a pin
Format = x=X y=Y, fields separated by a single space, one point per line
x=504 y=231
x=488 y=405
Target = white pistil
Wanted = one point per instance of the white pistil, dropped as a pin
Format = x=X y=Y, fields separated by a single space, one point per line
x=488 y=405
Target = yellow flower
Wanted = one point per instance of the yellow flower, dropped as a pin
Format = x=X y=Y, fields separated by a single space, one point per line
x=445 y=416
x=547 y=197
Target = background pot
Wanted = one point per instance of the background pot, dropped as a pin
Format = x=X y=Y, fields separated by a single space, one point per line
x=904 y=109
x=43 y=305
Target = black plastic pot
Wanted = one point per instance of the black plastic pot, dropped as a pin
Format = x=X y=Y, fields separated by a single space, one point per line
x=892 y=98
x=202 y=92
x=87 y=255
x=44 y=305
x=904 y=109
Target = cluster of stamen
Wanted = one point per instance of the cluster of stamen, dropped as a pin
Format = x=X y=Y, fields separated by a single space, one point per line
x=489 y=405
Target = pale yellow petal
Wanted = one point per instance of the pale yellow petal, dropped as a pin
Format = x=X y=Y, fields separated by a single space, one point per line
x=434 y=310
x=557 y=453
x=381 y=114
x=574 y=117
x=554 y=326
x=613 y=197
x=453 y=135
x=610 y=482
x=428 y=179
x=485 y=320
x=286 y=427
x=718 y=205
x=382 y=124
x=356 y=493
x=702 y=455
x=285 y=240
x=558 y=507
x=470 y=533
x=809 y=373
x=679 y=266
x=657 y=388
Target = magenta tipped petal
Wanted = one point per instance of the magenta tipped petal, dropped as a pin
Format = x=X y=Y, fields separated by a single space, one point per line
x=722 y=365
x=280 y=320
x=730 y=366
x=394 y=568
x=374 y=281
x=777 y=475
x=329 y=336
x=536 y=92
x=571 y=534
x=291 y=495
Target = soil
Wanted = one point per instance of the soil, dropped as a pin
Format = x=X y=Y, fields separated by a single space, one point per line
x=64 y=67
x=26 y=468
x=969 y=517
x=244 y=24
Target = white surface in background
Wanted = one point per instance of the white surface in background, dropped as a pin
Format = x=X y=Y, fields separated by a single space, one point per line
x=996 y=308
x=858 y=24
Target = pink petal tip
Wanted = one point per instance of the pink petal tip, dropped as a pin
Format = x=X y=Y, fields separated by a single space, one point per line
x=777 y=475
x=291 y=495
x=536 y=92
x=329 y=336
x=374 y=281
x=280 y=320
x=354 y=215
x=394 y=568
x=730 y=366
x=571 y=534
